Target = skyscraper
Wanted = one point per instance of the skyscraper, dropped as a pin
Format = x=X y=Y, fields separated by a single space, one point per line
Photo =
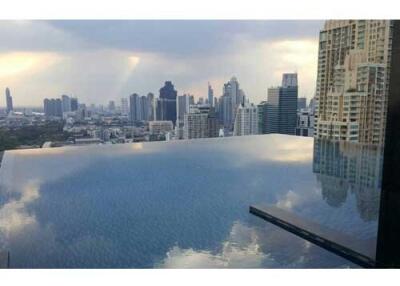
x=144 y=108
x=124 y=106
x=52 y=107
x=134 y=108
x=168 y=102
x=284 y=99
x=352 y=80
x=246 y=121
x=74 y=104
x=183 y=104
x=151 y=106
x=210 y=95
x=66 y=103
x=111 y=105
x=289 y=79
x=267 y=118
x=9 y=101
x=232 y=97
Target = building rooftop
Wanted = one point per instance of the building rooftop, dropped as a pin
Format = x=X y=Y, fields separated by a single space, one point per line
x=185 y=204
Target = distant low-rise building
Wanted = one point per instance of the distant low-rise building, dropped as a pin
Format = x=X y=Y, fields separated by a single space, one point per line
x=160 y=127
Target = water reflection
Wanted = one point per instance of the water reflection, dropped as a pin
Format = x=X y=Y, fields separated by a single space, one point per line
x=345 y=167
x=241 y=249
x=167 y=204
x=13 y=214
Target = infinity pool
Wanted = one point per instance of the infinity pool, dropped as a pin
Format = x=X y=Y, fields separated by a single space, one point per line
x=182 y=204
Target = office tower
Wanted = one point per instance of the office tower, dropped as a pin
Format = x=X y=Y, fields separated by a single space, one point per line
x=232 y=97
x=267 y=118
x=52 y=107
x=151 y=106
x=200 y=101
x=9 y=101
x=157 y=103
x=182 y=108
x=124 y=106
x=246 y=121
x=226 y=111
x=301 y=103
x=210 y=96
x=74 y=104
x=168 y=102
x=284 y=99
x=144 y=108
x=57 y=107
x=200 y=122
x=134 y=107
x=289 y=79
x=66 y=103
x=352 y=80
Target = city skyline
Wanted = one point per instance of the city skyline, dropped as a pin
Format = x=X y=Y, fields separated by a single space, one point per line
x=111 y=66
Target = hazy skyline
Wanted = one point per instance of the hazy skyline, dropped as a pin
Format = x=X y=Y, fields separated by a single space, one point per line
x=98 y=61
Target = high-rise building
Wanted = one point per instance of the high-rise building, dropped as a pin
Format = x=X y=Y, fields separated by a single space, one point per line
x=301 y=103
x=151 y=105
x=267 y=118
x=9 y=101
x=134 y=108
x=74 y=104
x=124 y=106
x=352 y=80
x=289 y=79
x=246 y=121
x=82 y=112
x=210 y=95
x=52 y=107
x=284 y=99
x=66 y=103
x=182 y=108
x=232 y=97
x=200 y=122
x=111 y=106
x=144 y=108
x=305 y=123
x=168 y=96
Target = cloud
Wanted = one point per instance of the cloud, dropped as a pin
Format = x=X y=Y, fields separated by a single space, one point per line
x=240 y=250
x=13 y=214
x=15 y=64
x=100 y=61
x=183 y=38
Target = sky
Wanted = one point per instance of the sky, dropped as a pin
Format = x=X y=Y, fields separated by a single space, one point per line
x=102 y=60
